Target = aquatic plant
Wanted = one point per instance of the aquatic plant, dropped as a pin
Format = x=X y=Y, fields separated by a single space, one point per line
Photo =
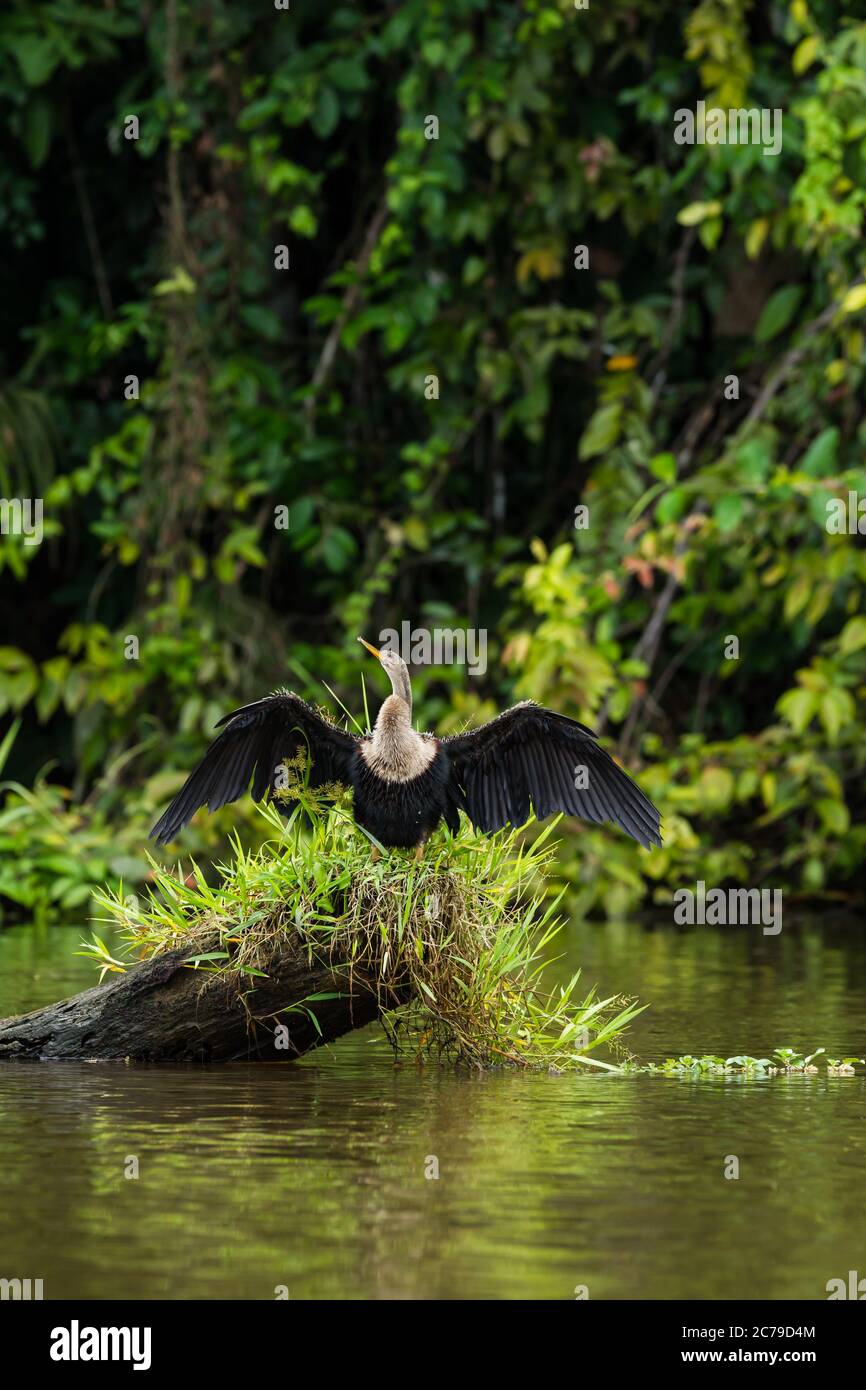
x=784 y=1060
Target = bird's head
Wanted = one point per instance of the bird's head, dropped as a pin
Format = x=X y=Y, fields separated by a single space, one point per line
x=396 y=669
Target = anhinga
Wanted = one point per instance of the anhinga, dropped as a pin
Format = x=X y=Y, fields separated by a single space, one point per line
x=404 y=782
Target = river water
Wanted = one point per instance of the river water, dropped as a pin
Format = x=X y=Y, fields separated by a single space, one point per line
x=312 y=1177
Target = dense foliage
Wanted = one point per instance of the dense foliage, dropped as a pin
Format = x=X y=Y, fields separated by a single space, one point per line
x=308 y=388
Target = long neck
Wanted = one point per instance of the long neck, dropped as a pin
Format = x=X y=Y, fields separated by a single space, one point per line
x=402 y=687
x=396 y=752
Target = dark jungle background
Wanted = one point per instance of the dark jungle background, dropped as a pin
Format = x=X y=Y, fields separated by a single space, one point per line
x=308 y=388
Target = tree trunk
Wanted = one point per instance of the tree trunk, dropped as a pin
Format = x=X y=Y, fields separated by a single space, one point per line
x=164 y=1011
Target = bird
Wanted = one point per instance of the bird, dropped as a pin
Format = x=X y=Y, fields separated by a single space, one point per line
x=405 y=782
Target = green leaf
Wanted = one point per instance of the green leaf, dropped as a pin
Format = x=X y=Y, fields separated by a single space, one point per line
x=710 y=231
x=601 y=432
x=37 y=59
x=820 y=457
x=778 y=311
x=756 y=236
x=664 y=466
x=8 y=739
x=854 y=300
x=753 y=462
x=797 y=708
x=728 y=511
x=338 y=549
x=696 y=212
x=797 y=596
x=302 y=220
x=37 y=130
x=818 y=506
x=349 y=74
x=262 y=321
x=717 y=787
x=326 y=113
x=805 y=53
x=497 y=142
x=853 y=636
x=834 y=815
x=672 y=505
x=835 y=710
x=181 y=282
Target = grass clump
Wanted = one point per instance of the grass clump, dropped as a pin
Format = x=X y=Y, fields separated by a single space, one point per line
x=455 y=947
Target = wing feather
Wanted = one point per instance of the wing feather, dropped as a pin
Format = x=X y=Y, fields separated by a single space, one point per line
x=565 y=778
x=530 y=755
x=253 y=741
x=547 y=786
x=591 y=807
x=520 y=790
x=637 y=813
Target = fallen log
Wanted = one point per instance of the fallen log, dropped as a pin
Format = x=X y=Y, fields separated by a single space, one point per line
x=166 y=1011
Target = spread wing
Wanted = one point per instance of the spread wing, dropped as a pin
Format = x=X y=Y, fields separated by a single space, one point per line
x=529 y=755
x=256 y=739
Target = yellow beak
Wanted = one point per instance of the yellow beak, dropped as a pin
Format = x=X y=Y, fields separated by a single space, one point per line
x=369 y=648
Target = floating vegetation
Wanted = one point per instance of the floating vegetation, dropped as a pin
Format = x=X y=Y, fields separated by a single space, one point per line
x=784 y=1061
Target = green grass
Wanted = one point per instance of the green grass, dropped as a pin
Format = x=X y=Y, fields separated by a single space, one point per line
x=457 y=947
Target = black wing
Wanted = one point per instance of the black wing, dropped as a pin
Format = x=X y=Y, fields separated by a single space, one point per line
x=531 y=755
x=256 y=739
